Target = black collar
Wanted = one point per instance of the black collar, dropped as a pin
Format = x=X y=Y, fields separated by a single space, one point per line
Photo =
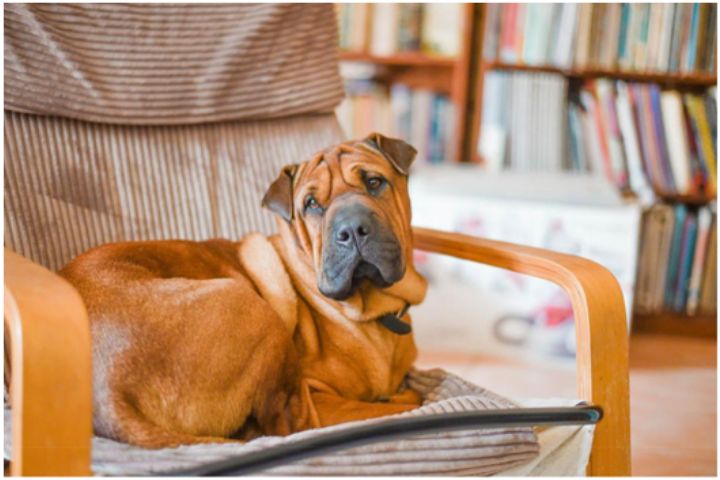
x=393 y=322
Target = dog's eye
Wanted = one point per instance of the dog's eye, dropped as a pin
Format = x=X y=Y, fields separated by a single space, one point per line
x=311 y=203
x=373 y=183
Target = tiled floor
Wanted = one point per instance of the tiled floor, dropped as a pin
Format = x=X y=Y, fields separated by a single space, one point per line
x=673 y=399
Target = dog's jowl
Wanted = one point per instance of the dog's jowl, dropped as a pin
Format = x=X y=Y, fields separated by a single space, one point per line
x=224 y=340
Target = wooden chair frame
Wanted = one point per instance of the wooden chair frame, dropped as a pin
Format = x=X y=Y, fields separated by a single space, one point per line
x=49 y=341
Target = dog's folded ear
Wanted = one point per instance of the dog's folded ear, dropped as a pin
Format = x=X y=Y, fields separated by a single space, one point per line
x=398 y=152
x=279 y=196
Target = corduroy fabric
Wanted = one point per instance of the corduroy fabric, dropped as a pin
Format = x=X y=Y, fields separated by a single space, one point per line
x=171 y=63
x=472 y=452
x=72 y=185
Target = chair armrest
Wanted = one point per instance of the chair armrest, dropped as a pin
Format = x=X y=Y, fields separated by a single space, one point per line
x=600 y=325
x=50 y=384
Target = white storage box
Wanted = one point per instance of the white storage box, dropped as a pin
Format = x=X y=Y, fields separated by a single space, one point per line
x=475 y=308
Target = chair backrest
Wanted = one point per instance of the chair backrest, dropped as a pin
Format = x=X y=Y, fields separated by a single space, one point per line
x=129 y=122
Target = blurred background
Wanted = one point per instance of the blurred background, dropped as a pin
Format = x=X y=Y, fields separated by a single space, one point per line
x=589 y=129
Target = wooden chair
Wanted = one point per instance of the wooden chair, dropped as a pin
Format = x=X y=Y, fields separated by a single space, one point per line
x=93 y=155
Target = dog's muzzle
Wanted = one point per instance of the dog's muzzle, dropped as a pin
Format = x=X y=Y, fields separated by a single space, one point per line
x=358 y=247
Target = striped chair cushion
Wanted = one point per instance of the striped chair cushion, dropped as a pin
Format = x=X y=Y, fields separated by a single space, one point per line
x=72 y=185
x=171 y=63
x=472 y=452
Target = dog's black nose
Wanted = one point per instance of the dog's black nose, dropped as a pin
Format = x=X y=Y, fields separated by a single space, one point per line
x=352 y=230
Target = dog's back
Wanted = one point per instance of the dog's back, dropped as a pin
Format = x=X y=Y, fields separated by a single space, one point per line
x=183 y=345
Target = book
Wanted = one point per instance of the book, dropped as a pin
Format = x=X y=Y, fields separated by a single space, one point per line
x=671 y=278
x=645 y=273
x=401 y=108
x=687 y=60
x=611 y=33
x=643 y=119
x=421 y=126
x=641 y=16
x=637 y=178
x=492 y=31
x=665 y=220
x=441 y=28
x=582 y=40
x=507 y=33
x=660 y=139
x=577 y=141
x=654 y=34
x=384 y=36
x=562 y=49
x=677 y=141
x=662 y=61
x=357 y=18
x=687 y=251
x=708 y=295
x=695 y=283
x=623 y=56
x=410 y=20
x=493 y=136
x=701 y=128
x=606 y=99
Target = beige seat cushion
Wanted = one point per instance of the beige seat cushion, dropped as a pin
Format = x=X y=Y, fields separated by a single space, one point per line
x=471 y=452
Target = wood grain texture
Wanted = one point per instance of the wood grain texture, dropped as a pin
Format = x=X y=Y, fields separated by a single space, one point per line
x=50 y=386
x=601 y=329
x=701 y=325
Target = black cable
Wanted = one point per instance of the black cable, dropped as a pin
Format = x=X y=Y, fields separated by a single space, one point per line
x=390 y=429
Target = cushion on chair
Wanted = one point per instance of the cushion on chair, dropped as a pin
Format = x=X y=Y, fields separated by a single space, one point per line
x=71 y=185
x=473 y=452
x=164 y=64
x=134 y=122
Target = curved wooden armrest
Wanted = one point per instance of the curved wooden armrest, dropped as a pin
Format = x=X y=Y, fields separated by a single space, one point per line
x=50 y=384
x=600 y=325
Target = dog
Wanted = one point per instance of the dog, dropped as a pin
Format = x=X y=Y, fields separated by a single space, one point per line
x=217 y=340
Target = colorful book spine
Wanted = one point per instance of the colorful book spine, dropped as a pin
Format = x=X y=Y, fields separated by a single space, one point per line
x=687 y=250
x=674 y=257
x=695 y=284
x=655 y=37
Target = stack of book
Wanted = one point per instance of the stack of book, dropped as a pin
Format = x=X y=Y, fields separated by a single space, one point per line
x=422 y=117
x=677 y=268
x=384 y=29
x=658 y=37
x=524 y=121
x=653 y=142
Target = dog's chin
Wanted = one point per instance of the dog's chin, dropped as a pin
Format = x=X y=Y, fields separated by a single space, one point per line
x=364 y=273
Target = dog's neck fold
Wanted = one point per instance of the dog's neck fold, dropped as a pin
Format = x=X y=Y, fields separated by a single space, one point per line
x=368 y=303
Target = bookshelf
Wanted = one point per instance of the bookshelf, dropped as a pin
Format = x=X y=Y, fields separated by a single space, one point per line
x=693 y=81
x=703 y=324
x=404 y=59
x=441 y=74
x=461 y=77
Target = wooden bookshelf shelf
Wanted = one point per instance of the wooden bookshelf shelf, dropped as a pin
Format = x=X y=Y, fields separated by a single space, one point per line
x=703 y=325
x=662 y=78
x=407 y=59
x=695 y=200
x=688 y=199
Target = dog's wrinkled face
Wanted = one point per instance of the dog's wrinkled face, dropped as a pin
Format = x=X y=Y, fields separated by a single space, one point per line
x=349 y=210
